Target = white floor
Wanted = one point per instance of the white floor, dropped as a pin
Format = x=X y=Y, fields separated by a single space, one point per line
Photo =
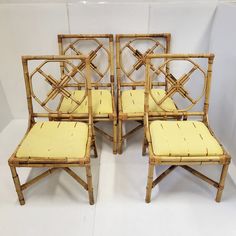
x=181 y=204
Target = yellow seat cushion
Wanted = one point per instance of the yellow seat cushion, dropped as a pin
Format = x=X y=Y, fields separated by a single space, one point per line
x=183 y=138
x=133 y=101
x=101 y=102
x=55 y=140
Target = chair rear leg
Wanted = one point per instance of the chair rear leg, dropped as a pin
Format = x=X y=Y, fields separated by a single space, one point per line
x=89 y=182
x=120 y=136
x=94 y=145
x=222 y=182
x=17 y=185
x=115 y=136
x=149 y=183
x=144 y=146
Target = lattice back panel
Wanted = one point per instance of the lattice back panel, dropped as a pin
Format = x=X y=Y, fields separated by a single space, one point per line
x=132 y=51
x=99 y=48
x=47 y=87
x=188 y=82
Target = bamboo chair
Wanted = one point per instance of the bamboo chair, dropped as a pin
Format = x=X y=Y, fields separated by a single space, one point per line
x=52 y=144
x=99 y=47
x=189 y=141
x=131 y=52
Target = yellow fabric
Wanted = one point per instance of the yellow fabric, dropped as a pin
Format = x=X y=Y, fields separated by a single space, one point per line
x=101 y=102
x=133 y=101
x=55 y=140
x=183 y=138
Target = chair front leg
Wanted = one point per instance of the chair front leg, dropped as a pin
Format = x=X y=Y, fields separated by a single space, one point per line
x=222 y=182
x=89 y=182
x=17 y=185
x=120 y=136
x=149 y=182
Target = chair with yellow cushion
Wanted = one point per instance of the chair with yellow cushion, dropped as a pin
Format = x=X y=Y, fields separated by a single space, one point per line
x=189 y=141
x=55 y=144
x=131 y=52
x=99 y=48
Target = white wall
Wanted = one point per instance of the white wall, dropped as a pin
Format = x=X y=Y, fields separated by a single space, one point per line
x=189 y=24
x=223 y=94
x=33 y=28
x=6 y=115
x=26 y=29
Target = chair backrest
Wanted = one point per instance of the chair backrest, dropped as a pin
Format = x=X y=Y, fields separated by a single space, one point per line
x=188 y=84
x=46 y=87
x=99 y=48
x=131 y=53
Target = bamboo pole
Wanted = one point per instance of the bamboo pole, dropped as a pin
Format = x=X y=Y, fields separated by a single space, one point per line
x=28 y=91
x=162 y=176
x=89 y=181
x=132 y=131
x=76 y=177
x=17 y=185
x=149 y=183
x=85 y=36
x=222 y=182
x=141 y=84
x=109 y=137
x=54 y=57
x=161 y=35
x=180 y=56
x=37 y=178
x=208 y=86
x=201 y=176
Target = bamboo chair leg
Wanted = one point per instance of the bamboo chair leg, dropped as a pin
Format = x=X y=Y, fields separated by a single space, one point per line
x=94 y=145
x=17 y=185
x=222 y=182
x=115 y=137
x=90 y=185
x=120 y=136
x=144 y=146
x=149 y=183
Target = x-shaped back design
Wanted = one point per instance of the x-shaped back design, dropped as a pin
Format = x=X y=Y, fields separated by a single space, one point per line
x=92 y=55
x=58 y=86
x=177 y=85
x=141 y=58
